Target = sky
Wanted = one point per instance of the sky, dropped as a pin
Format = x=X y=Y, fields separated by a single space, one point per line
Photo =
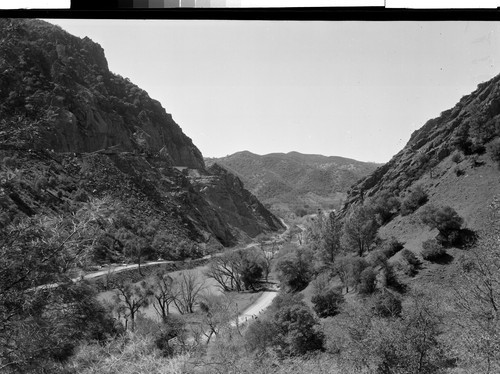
x=355 y=89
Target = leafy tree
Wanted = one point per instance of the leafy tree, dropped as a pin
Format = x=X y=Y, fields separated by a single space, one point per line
x=294 y=268
x=327 y=303
x=331 y=244
x=360 y=228
x=367 y=281
x=445 y=219
x=349 y=270
x=43 y=313
x=297 y=333
x=290 y=330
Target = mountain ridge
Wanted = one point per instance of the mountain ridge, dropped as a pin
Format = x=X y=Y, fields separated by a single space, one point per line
x=292 y=181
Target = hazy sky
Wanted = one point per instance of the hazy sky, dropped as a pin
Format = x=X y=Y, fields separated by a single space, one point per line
x=353 y=89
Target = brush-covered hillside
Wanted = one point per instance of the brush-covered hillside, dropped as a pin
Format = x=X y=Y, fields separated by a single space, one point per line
x=78 y=140
x=296 y=182
x=453 y=161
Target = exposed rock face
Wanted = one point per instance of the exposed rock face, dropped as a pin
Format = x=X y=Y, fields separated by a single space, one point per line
x=468 y=128
x=71 y=131
x=237 y=205
x=65 y=83
x=450 y=157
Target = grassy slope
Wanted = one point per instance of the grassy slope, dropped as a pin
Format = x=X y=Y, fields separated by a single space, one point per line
x=469 y=194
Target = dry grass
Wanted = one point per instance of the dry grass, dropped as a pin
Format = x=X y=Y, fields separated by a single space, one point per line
x=127 y=355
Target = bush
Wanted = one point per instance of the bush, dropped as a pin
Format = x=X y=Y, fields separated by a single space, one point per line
x=458 y=171
x=391 y=247
x=432 y=250
x=413 y=201
x=389 y=279
x=367 y=283
x=410 y=263
x=457 y=157
x=291 y=329
x=385 y=206
x=327 y=303
x=494 y=151
x=446 y=220
x=387 y=305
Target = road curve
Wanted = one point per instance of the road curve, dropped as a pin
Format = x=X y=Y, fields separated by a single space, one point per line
x=261 y=304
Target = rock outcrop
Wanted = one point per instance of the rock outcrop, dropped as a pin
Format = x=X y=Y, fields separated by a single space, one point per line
x=60 y=87
x=72 y=132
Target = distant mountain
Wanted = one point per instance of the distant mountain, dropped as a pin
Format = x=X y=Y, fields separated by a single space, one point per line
x=294 y=182
x=72 y=132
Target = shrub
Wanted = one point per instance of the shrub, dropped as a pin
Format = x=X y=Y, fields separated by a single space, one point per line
x=389 y=279
x=494 y=151
x=291 y=329
x=385 y=206
x=377 y=258
x=432 y=250
x=410 y=263
x=458 y=171
x=442 y=218
x=456 y=157
x=387 y=305
x=327 y=303
x=410 y=257
x=367 y=283
x=391 y=247
x=413 y=201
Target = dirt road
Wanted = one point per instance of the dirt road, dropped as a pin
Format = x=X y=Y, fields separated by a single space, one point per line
x=261 y=304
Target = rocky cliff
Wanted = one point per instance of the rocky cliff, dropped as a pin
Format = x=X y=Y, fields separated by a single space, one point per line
x=72 y=134
x=464 y=133
x=59 y=93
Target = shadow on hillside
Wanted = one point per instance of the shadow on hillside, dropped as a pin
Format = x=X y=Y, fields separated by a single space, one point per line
x=462 y=239
x=445 y=259
x=466 y=238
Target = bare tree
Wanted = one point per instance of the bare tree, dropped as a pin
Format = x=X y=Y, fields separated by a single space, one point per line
x=477 y=299
x=188 y=288
x=237 y=270
x=129 y=298
x=164 y=294
x=223 y=270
